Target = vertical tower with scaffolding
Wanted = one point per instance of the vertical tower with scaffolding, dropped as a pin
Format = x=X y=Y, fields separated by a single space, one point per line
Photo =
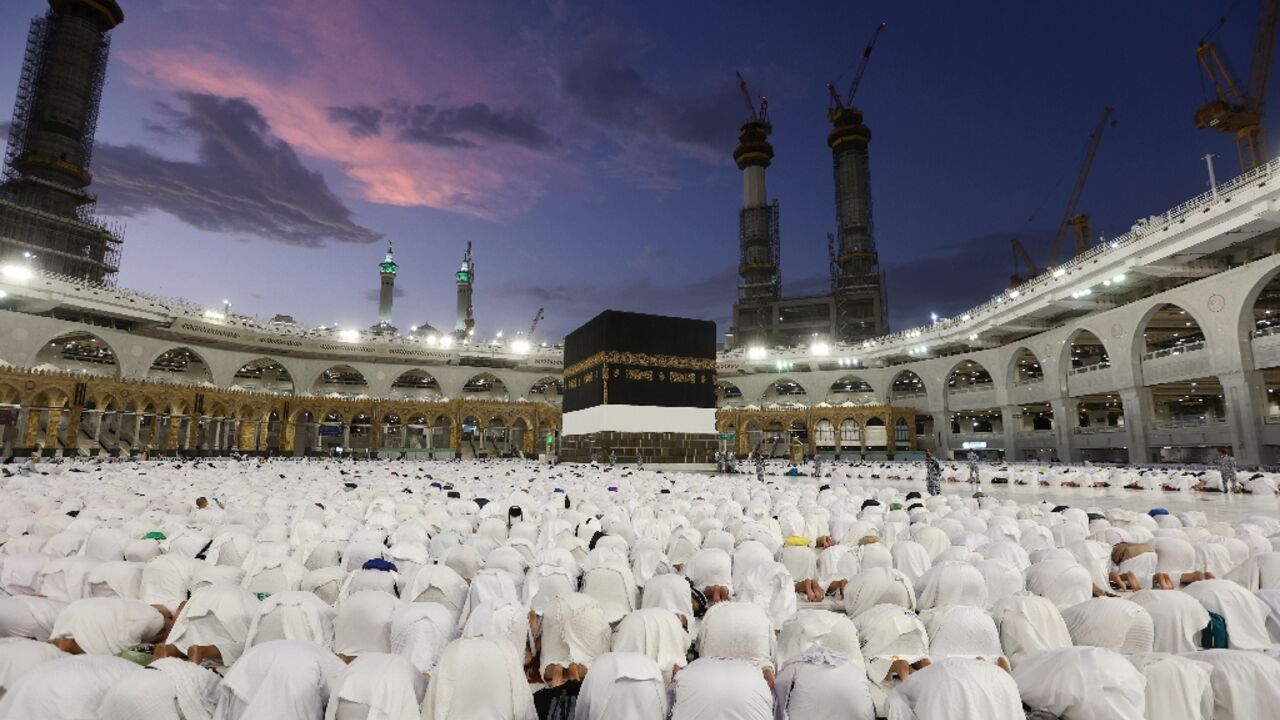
x=759 y=274
x=46 y=212
x=857 y=283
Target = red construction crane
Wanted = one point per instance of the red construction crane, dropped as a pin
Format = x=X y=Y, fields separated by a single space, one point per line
x=836 y=102
x=752 y=116
x=1236 y=112
x=1070 y=219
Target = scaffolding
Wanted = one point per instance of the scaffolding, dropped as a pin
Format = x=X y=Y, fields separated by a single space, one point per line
x=24 y=105
x=759 y=259
x=45 y=211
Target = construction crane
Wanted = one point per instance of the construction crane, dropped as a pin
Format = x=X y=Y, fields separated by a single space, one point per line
x=1071 y=221
x=752 y=115
x=840 y=104
x=1236 y=112
x=537 y=317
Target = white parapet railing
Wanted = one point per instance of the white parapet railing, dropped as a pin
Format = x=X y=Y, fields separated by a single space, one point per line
x=1176 y=350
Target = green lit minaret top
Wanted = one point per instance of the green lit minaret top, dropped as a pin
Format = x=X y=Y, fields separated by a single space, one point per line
x=388 y=266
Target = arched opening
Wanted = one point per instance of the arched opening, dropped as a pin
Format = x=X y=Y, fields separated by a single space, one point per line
x=415 y=384
x=976 y=422
x=331 y=433
x=1266 y=309
x=728 y=395
x=968 y=376
x=182 y=365
x=360 y=433
x=776 y=440
x=1191 y=403
x=851 y=390
x=799 y=435
x=485 y=386
x=264 y=375
x=341 y=381
x=471 y=437
x=549 y=390
x=305 y=435
x=1086 y=353
x=1026 y=368
x=517 y=436
x=1099 y=413
x=1170 y=331
x=876 y=436
x=78 y=352
x=274 y=432
x=902 y=434
x=906 y=385
x=824 y=436
x=850 y=437
x=785 y=392
x=441 y=435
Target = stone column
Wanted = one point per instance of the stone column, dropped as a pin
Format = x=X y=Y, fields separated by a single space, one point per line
x=1010 y=424
x=73 y=429
x=288 y=431
x=1245 y=394
x=1137 y=416
x=32 y=430
x=346 y=436
x=175 y=425
x=1064 y=423
x=375 y=437
x=942 y=434
x=51 y=430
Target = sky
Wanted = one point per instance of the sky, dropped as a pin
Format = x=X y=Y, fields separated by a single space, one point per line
x=266 y=152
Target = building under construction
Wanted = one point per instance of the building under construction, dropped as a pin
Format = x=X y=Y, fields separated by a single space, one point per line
x=46 y=214
x=855 y=307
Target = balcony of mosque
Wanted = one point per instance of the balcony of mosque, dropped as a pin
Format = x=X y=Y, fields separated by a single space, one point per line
x=1154 y=245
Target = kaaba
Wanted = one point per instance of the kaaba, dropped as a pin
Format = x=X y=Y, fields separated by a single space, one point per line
x=640 y=385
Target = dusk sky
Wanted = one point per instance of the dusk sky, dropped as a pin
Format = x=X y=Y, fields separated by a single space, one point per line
x=264 y=151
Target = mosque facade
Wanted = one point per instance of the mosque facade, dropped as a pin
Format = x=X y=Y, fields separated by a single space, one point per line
x=1162 y=344
x=1157 y=346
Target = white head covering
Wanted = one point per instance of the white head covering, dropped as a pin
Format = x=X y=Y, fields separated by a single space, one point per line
x=363 y=623
x=573 y=631
x=622 y=686
x=478 y=677
x=420 y=632
x=737 y=630
x=1028 y=624
x=1177 y=619
x=1101 y=685
x=821 y=682
x=218 y=615
x=106 y=626
x=388 y=685
x=656 y=633
x=283 y=679
x=1112 y=623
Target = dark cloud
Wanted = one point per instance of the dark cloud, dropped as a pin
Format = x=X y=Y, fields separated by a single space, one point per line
x=469 y=127
x=361 y=120
x=953 y=278
x=609 y=90
x=244 y=181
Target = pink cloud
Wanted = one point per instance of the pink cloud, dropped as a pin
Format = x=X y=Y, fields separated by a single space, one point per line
x=343 y=56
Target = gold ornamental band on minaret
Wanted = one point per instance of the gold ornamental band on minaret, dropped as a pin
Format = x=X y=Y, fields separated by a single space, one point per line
x=672 y=362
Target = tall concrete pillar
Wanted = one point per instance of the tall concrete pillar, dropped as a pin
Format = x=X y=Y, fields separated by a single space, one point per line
x=1245 y=395
x=1010 y=420
x=942 y=434
x=1064 y=424
x=1137 y=419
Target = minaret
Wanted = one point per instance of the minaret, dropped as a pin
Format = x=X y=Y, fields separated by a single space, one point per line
x=387 y=270
x=759 y=278
x=859 y=288
x=466 y=277
x=48 y=208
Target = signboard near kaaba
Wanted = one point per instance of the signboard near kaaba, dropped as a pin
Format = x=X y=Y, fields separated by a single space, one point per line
x=631 y=376
x=625 y=358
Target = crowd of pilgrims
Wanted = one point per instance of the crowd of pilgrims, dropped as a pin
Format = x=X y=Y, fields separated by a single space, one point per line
x=508 y=590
